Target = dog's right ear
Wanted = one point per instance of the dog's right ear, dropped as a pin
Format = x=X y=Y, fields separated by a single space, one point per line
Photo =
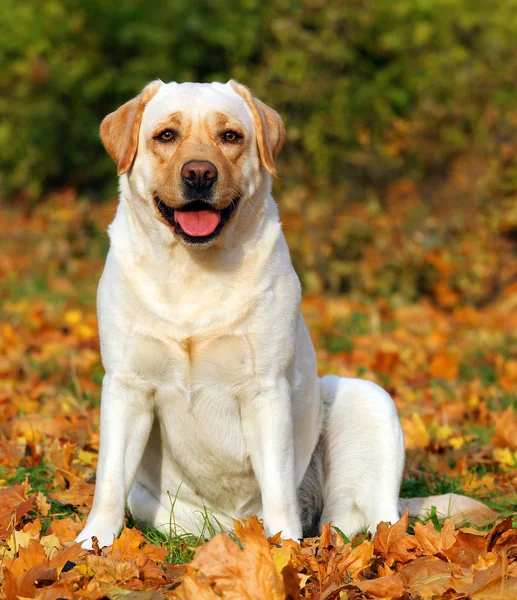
x=120 y=129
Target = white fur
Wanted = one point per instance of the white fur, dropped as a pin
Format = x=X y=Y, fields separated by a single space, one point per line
x=211 y=398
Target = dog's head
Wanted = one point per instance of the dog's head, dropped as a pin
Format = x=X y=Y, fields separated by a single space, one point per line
x=194 y=152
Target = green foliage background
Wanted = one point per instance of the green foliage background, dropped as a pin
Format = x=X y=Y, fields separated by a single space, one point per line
x=372 y=92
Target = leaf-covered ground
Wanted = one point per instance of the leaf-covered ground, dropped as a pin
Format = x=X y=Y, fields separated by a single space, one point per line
x=452 y=372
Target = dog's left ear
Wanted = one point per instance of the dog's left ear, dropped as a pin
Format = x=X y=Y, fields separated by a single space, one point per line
x=120 y=129
x=269 y=126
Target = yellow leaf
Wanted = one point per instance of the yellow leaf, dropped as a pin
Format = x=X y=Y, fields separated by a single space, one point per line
x=88 y=458
x=457 y=442
x=444 y=432
x=51 y=544
x=85 y=332
x=505 y=458
x=19 y=539
x=72 y=317
x=281 y=556
x=416 y=434
x=85 y=570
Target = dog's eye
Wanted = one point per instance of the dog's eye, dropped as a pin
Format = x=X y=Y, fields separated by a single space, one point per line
x=231 y=136
x=166 y=136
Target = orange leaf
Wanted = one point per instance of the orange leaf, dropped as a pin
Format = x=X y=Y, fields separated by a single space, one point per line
x=14 y=504
x=234 y=573
x=109 y=570
x=31 y=556
x=506 y=429
x=467 y=549
x=390 y=586
x=429 y=577
x=393 y=542
x=416 y=434
x=65 y=529
x=356 y=560
x=131 y=544
x=432 y=541
x=444 y=365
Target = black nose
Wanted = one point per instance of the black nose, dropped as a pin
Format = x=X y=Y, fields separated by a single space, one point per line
x=199 y=174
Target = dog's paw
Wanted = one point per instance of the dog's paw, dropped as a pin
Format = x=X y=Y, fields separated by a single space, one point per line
x=104 y=536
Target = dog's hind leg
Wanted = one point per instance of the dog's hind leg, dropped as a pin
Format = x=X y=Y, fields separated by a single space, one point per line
x=363 y=455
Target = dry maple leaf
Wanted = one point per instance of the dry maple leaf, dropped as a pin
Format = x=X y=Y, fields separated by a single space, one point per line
x=507 y=544
x=32 y=555
x=131 y=544
x=444 y=365
x=390 y=586
x=485 y=560
x=14 y=504
x=433 y=542
x=24 y=585
x=51 y=544
x=393 y=542
x=466 y=549
x=428 y=577
x=497 y=531
x=356 y=560
x=66 y=529
x=78 y=494
x=506 y=429
x=195 y=588
x=497 y=589
x=26 y=574
x=486 y=583
x=232 y=573
x=110 y=570
x=42 y=506
x=416 y=434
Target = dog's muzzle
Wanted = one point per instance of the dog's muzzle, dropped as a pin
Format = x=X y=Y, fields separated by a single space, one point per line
x=196 y=222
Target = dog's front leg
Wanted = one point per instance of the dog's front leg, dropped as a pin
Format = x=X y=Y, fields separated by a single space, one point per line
x=268 y=428
x=126 y=421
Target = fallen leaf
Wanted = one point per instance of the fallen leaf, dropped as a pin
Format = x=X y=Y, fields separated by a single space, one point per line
x=391 y=586
x=444 y=365
x=42 y=506
x=416 y=434
x=31 y=555
x=66 y=529
x=110 y=570
x=234 y=573
x=393 y=542
x=131 y=543
x=14 y=504
x=431 y=541
x=467 y=549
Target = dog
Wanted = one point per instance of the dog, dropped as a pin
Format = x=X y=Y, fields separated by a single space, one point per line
x=211 y=404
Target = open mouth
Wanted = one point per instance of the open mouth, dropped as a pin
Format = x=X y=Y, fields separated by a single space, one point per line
x=197 y=222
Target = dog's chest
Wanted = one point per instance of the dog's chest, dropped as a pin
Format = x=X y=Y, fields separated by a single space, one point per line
x=199 y=385
x=208 y=366
x=198 y=381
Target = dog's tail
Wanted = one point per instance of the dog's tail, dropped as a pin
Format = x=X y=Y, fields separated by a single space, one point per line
x=460 y=509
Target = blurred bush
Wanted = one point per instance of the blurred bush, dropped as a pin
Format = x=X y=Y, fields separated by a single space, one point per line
x=372 y=92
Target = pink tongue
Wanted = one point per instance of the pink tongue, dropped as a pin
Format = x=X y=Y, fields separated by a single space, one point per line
x=197 y=223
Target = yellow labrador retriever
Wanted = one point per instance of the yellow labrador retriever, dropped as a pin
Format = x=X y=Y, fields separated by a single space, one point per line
x=211 y=401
